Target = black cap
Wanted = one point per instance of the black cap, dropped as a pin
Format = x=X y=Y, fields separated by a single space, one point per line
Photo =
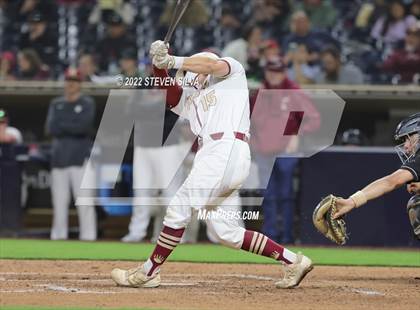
x=36 y=17
x=114 y=19
x=3 y=115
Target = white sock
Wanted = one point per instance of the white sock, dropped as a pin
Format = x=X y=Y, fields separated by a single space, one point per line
x=147 y=266
x=289 y=255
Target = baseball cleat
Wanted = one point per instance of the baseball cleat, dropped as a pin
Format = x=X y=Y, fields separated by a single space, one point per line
x=134 y=278
x=294 y=273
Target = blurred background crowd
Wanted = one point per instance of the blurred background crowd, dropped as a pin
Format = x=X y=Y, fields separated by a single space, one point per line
x=322 y=41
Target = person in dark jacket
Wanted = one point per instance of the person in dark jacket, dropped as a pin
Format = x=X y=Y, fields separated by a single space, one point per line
x=268 y=113
x=40 y=38
x=111 y=47
x=70 y=122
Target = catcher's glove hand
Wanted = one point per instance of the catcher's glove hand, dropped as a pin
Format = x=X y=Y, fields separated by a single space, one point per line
x=333 y=229
x=413 y=209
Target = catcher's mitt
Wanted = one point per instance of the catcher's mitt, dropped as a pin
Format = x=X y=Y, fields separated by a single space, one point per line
x=413 y=209
x=335 y=230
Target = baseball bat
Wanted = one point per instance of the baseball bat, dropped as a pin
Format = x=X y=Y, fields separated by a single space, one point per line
x=180 y=8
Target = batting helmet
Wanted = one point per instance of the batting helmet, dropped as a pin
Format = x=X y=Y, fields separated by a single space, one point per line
x=405 y=130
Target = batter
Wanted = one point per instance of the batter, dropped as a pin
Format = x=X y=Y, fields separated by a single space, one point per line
x=216 y=104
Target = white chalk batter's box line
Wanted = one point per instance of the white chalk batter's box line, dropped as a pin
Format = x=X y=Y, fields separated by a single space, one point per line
x=105 y=276
x=59 y=288
x=64 y=289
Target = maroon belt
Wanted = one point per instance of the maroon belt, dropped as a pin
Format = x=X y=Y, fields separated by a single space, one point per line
x=219 y=135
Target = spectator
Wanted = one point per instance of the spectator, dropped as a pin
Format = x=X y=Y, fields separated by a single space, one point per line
x=322 y=13
x=415 y=9
x=265 y=121
x=335 y=72
x=39 y=39
x=391 y=27
x=196 y=15
x=272 y=16
x=7 y=66
x=246 y=48
x=70 y=122
x=302 y=70
x=231 y=21
x=30 y=66
x=406 y=62
x=364 y=19
x=103 y=9
x=301 y=33
x=270 y=50
x=87 y=67
x=8 y=134
x=128 y=63
x=28 y=7
x=88 y=70
x=110 y=48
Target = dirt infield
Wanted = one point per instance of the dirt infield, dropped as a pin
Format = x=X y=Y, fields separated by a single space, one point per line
x=207 y=286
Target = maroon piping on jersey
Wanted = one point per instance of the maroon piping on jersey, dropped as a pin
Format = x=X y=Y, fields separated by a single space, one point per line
x=230 y=69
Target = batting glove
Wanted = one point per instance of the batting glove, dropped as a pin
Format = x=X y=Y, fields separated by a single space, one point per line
x=163 y=62
x=168 y=62
x=159 y=48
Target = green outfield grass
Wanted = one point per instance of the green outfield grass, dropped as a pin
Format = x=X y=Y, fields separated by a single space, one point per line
x=206 y=253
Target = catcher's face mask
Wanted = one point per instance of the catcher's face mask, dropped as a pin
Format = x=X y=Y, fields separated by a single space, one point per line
x=408 y=149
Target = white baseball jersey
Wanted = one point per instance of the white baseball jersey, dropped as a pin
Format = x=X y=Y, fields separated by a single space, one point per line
x=221 y=107
x=220 y=167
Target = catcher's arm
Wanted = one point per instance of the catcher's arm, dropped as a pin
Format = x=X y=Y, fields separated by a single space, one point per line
x=373 y=190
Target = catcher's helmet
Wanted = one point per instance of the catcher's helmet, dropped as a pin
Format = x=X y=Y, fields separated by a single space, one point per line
x=408 y=126
x=405 y=130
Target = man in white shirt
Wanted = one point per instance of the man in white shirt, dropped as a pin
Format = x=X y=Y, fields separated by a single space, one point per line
x=216 y=104
x=8 y=134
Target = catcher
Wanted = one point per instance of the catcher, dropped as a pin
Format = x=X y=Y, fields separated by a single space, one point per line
x=328 y=214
